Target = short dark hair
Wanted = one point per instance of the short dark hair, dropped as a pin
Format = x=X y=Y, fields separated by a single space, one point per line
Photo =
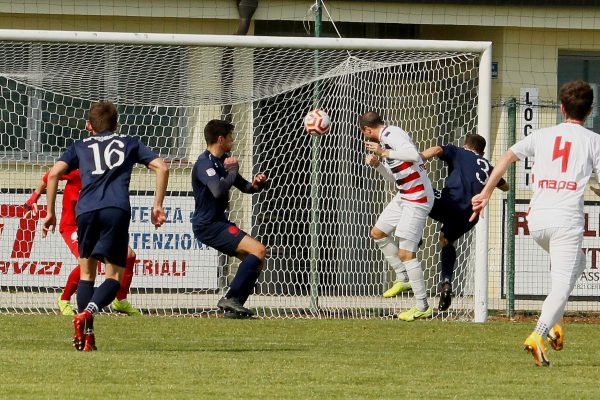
x=475 y=142
x=370 y=119
x=103 y=116
x=577 y=98
x=216 y=128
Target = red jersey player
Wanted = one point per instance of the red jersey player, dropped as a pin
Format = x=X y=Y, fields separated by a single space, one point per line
x=68 y=230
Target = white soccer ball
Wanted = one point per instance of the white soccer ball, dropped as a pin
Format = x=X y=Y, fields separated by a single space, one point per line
x=317 y=122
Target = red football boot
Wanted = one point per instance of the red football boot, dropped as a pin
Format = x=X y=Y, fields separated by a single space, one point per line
x=79 y=323
x=90 y=342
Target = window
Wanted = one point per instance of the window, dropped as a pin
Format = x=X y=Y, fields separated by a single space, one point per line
x=586 y=66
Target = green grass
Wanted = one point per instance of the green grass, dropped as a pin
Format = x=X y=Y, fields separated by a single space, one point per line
x=168 y=358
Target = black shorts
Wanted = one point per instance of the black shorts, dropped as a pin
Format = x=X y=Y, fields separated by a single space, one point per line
x=104 y=233
x=455 y=222
x=224 y=236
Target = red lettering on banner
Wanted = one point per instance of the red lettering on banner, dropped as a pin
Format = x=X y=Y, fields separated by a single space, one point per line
x=161 y=267
x=594 y=259
x=31 y=267
x=521 y=223
x=586 y=230
x=27 y=228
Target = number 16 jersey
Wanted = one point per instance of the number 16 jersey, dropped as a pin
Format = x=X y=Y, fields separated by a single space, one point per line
x=105 y=162
x=564 y=157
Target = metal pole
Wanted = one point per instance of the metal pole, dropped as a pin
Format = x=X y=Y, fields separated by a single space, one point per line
x=484 y=110
x=315 y=189
x=511 y=108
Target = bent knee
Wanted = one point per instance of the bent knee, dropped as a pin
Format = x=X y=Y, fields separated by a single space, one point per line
x=406 y=255
x=131 y=253
x=260 y=252
x=376 y=233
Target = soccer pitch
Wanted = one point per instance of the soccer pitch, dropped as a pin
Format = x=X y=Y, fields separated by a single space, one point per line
x=169 y=357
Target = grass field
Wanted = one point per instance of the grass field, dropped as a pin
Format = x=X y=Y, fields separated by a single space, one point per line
x=169 y=358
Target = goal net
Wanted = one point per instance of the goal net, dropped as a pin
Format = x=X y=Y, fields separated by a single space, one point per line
x=322 y=200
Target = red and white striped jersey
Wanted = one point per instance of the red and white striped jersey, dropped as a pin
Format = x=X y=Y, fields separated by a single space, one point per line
x=411 y=178
x=565 y=156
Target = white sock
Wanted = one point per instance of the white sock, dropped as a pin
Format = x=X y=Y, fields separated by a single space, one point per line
x=390 y=251
x=553 y=307
x=417 y=281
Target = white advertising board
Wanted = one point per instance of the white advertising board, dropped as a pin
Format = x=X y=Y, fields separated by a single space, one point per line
x=532 y=264
x=168 y=257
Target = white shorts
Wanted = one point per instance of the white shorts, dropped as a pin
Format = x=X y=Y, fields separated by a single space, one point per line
x=567 y=260
x=407 y=221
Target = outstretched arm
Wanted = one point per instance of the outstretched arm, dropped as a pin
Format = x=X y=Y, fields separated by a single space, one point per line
x=58 y=170
x=258 y=183
x=435 y=151
x=504 y=187
x=31 y=203
x=161 y=170
x=481 y=200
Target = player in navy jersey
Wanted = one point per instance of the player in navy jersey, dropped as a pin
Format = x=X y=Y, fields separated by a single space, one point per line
x=214 y=173
x=468 y=171
x=105 y=161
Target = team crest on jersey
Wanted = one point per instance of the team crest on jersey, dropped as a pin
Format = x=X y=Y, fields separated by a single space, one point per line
x=211 y=172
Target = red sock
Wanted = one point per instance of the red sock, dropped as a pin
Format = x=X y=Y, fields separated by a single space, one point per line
x=71 y=286
x=126 y=281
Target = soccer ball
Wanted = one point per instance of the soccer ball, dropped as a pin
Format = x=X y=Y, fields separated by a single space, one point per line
x=317 y=122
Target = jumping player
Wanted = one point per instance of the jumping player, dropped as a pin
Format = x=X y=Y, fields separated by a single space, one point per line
x=407 y=213
x=214 y=173
x=68 y=230
x=105 y=161
x=468 y=171
x=565 y=156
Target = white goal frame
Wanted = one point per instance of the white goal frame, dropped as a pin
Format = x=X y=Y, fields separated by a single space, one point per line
x=483 y=48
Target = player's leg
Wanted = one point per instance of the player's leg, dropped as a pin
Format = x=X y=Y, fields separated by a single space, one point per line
x=226 y=237
x=454 y=227
x=121 y=304
x=252 y=253
x=568 y=262
x=69 y=235
x=381 y=233
x=85 y=291
x=409 y=233
x=534 y=344
x=104 y=234
x=448 y=259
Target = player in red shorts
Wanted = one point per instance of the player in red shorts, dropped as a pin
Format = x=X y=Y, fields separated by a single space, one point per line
x=68 y=230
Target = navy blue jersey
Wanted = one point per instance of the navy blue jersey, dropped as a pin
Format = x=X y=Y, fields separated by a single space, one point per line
x=468 y=173
x=105 y=162
x=211 y=183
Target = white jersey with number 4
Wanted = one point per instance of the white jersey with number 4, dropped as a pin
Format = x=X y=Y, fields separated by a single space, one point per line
x=411 y=178
x=565 y=156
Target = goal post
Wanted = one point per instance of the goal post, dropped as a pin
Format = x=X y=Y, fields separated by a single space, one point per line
x=167 y=86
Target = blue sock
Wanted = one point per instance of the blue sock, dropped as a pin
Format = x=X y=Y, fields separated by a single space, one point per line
x=104 y=295
x=247 y=272
x=249 y=288
x=448 y=257
x=85 y=291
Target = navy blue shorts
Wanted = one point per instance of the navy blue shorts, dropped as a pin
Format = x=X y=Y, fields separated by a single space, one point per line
x=104 y=233
x=224 y=236
x=455 y=223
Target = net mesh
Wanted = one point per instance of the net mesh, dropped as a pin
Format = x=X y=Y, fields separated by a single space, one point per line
x=322 y=200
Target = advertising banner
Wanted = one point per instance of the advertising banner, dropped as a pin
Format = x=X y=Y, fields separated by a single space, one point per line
x=168 y=257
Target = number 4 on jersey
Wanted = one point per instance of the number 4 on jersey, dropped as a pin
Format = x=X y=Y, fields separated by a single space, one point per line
x=561 y=152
